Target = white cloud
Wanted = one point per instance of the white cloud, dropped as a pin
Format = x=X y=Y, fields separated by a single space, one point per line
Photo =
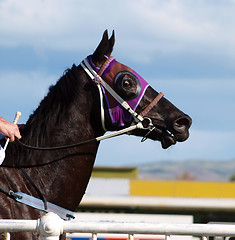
x=176 y=26
x=149 y=26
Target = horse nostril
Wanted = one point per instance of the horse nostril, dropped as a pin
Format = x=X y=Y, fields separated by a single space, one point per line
x=182 y=123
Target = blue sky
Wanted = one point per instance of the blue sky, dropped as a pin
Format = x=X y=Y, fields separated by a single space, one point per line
x=183 y=48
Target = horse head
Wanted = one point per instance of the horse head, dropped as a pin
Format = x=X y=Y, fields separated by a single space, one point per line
x=164 y=122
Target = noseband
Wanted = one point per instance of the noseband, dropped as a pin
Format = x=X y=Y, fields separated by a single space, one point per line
x=91 y=70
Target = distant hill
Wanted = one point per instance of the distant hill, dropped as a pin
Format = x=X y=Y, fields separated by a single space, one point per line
x=200 y=170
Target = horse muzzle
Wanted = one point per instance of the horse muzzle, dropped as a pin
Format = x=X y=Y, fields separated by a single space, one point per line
x=178 y=131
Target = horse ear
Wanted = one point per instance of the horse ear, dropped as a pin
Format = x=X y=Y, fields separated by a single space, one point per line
x=111 y=44
x=104 y=48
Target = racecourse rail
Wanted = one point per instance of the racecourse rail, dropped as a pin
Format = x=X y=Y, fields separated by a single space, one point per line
x=51 y=226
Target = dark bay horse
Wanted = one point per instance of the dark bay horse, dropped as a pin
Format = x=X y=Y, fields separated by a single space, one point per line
x=74 y=111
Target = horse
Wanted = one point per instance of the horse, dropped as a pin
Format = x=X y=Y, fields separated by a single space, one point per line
x=78 y=109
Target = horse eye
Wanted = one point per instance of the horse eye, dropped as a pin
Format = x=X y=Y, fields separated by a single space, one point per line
x=127 y=83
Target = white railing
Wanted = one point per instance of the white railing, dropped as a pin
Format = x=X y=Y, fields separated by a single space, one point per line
x=51 y=226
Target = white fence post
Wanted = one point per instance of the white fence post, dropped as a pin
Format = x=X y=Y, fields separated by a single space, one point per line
x=130 y=236
x=50 y=226
x=7 y=236
x=94 y=236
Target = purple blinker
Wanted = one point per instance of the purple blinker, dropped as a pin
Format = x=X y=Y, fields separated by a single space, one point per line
x=108 y=71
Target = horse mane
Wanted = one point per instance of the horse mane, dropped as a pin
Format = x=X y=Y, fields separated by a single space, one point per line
x=53 y=108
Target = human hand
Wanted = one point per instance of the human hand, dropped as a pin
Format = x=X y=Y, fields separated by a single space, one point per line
x=11 y=130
